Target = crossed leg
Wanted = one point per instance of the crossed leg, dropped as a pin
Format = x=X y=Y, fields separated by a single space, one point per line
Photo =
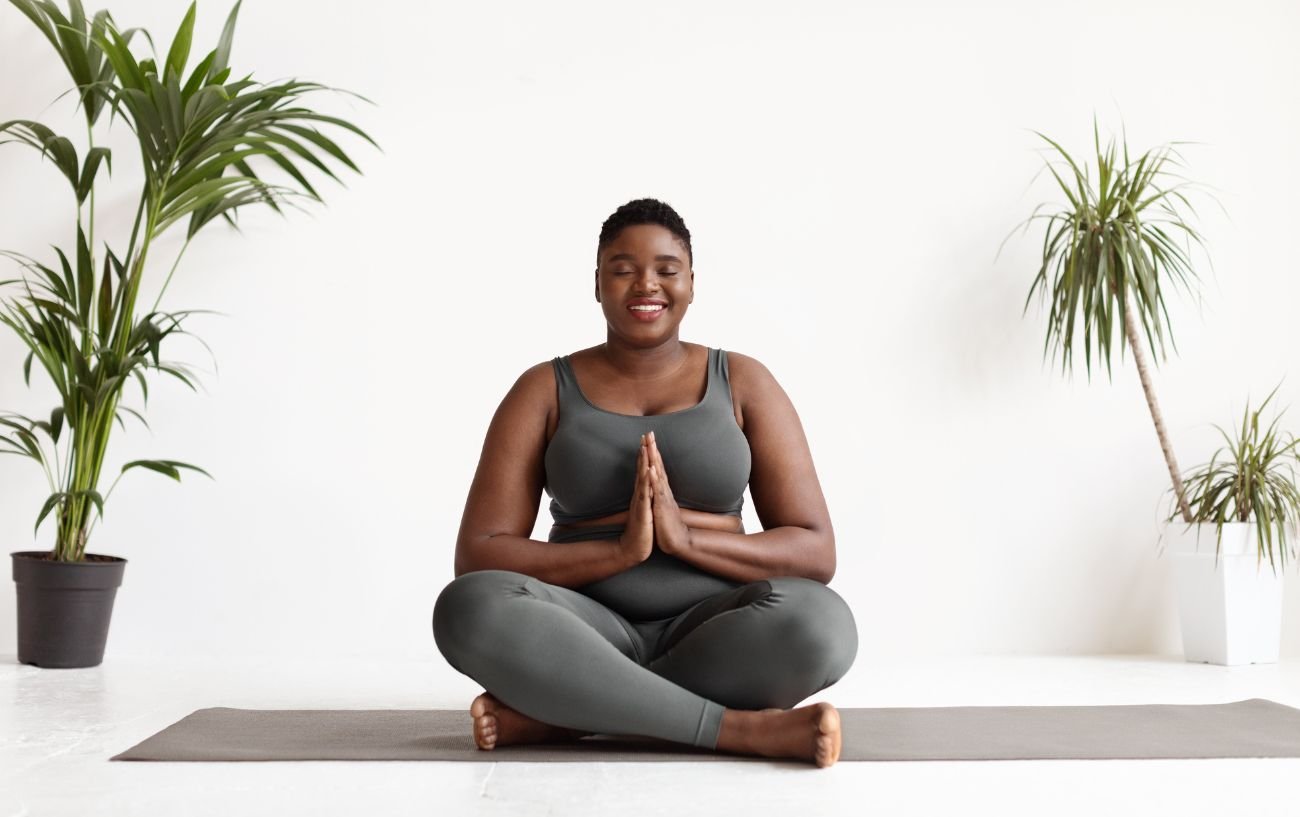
x=558 y=665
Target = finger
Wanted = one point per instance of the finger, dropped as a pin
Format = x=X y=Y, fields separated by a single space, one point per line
x=662 y=474
x=642 y=460
x=647 y=462
x=660 y=482
x=655 y=454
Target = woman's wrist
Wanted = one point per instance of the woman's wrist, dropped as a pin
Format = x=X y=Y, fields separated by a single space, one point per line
x=712 y=521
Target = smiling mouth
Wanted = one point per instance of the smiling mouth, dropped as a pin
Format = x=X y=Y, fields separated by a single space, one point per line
x=647 y=312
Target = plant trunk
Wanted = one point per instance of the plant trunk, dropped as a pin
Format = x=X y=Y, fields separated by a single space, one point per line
x=1130 y=329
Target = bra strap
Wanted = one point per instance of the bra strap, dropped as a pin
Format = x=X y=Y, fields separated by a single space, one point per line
x=723 y=377
x=566 y=385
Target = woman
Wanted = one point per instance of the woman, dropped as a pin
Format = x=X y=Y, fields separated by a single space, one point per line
x=649 y=611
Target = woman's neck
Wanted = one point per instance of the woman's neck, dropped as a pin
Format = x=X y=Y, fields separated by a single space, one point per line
x=644 y=363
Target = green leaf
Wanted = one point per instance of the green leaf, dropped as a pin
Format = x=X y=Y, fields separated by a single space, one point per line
x=26 y=441
x=221 y=56
x=70 y=283
x=144 y=387
x=90 y=168
x=197 y=77
x=180 y=50
x=115 y=48
x=135 y=414
x=94 y=497
x=105 y=302
x=34 y=13
x=73 y=42
x=166 y=467
x=178 y=374
x=85 y=278
x=56 y=423
x=53 y=500
x=58 y=148
x=100 y=67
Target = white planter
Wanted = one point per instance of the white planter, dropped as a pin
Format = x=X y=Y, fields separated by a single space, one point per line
x=1230 y=613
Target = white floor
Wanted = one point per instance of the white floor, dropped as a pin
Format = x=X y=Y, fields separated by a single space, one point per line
x=59 y=727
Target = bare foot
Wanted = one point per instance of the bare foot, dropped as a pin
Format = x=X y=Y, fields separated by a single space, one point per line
x=496 y=724
x=809 y=733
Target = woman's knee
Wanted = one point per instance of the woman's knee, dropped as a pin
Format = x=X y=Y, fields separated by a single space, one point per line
x=465 y=614
x=816 y=627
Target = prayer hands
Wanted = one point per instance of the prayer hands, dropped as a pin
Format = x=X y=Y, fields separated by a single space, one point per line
x=670 y=530
x=638 y=537
x=654 y=515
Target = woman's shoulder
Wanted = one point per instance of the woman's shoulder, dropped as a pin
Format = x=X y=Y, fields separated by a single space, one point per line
x=538 y=379
x=751 y=381
x=538 y=382
x=532 y=399
x=747 y=368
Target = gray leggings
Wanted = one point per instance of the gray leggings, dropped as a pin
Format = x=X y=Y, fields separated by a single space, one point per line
x=564 y=658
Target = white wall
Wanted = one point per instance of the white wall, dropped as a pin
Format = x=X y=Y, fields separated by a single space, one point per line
x=847 y=174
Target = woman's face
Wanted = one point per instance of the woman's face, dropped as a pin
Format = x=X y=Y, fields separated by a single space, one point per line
x=646 y=266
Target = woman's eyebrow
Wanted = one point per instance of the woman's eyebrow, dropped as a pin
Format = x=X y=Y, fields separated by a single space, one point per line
x=625 y=256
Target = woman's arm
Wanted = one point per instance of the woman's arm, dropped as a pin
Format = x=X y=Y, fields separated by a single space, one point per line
x=797 y=538
x=692 y=518
x=789 y=550
x=503 y=499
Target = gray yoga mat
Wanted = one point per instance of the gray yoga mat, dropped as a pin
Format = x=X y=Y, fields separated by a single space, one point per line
x=1250 y=728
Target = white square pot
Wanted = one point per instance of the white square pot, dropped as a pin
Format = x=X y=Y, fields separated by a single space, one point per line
x=1230 y=613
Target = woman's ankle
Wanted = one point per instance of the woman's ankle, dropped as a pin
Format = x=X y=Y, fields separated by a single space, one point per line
x=736 y=732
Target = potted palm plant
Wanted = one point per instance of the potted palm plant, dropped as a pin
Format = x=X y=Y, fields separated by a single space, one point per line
x=200 y=135
x=1245 y=508
x=1109 y=255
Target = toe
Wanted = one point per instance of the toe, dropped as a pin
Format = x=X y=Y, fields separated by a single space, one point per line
x=825 y=754
x=485 y=736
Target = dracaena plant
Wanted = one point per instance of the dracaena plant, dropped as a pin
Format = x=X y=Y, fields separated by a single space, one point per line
x=1121 y=239
x=1251 y=478
x=203 y=136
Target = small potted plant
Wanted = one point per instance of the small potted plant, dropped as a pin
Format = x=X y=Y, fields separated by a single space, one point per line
x=1245 y=509
x=200 y=136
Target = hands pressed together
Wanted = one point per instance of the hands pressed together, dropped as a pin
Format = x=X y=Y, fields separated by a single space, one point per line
x=653 y=514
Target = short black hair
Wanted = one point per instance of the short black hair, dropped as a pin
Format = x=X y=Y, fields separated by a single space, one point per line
x=644 y=211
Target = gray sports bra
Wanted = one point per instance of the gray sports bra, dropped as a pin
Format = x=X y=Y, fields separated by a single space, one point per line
x=591 y=460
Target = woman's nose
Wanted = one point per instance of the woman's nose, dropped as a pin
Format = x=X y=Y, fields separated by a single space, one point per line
x=647 y=282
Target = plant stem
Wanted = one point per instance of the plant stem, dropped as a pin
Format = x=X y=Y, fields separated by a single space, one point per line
x=1130 y=330
x=90 y=241
x=175 y=263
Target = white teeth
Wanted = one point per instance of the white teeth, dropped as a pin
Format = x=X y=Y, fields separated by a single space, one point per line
x=646 y=308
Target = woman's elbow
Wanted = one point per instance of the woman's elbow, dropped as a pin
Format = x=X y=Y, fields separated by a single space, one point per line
x=464 y=561
x=826 y=564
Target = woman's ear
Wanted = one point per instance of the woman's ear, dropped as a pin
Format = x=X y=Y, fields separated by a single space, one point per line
x=597 y=285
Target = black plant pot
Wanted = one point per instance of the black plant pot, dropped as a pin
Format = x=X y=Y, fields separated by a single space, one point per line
x=64 y=607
